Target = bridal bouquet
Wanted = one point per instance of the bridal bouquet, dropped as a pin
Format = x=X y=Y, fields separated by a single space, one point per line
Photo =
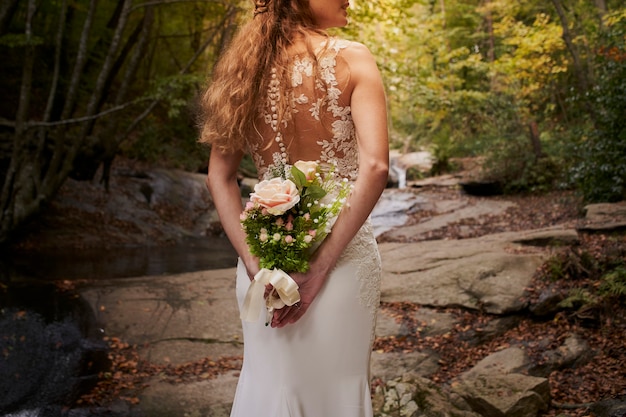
x=286 y=218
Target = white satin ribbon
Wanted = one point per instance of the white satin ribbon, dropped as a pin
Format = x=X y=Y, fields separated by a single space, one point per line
x=284 y=286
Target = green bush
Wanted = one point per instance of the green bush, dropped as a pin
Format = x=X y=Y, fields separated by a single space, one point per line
x=513 y=164
x=601 y=173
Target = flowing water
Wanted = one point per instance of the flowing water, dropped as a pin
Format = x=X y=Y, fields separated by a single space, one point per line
x=191 y=255
x=196 y=254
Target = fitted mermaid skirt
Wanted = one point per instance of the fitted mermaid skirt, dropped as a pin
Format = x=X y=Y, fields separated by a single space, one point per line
x=318 y=366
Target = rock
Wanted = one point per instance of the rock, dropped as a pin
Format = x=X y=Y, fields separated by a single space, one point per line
x=495 y=386
x=510 y=395
x=495 y=327
x=611 y=407
x=50 y=350
x=488 y=273
x=507 y=361
x=449 y=212
x=144 y=208
x=548 y=302
x=554 y=236
x=173 y=319
x=210 y=398
x=399 y=164
x=473 y=273
x=422 y=161
x=387 y=366
x=574 y=350
x=438 y=181
x=604 y=217
x=176 y=319
x=413 y=396
x=433 y=323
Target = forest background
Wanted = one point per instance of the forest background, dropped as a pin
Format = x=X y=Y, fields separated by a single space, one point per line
x=537 y=88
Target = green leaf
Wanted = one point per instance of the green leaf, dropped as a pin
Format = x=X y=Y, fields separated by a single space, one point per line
x=314 y=192
x=298 y=177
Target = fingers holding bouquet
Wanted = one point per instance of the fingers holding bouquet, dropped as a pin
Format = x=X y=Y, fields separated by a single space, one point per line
x=288 y=315
x=309 y=286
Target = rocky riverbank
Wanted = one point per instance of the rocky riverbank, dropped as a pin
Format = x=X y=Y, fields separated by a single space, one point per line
x=466 y=328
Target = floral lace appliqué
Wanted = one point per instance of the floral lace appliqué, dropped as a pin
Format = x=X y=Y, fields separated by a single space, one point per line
x=363 y=253
x=341 y=148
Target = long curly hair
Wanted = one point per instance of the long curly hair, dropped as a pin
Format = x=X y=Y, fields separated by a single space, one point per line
x=235 y=98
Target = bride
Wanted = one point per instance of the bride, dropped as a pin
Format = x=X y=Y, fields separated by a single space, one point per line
x=284 y=91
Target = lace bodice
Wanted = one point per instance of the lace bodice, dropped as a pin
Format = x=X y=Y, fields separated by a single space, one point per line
x=319 y=126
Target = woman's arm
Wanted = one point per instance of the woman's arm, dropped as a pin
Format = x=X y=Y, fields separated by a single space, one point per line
x=222 y=183
x=369 y=112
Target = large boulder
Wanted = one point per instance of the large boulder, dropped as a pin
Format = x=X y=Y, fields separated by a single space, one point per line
x=484 y=273
x=50 y=349
x=495 y=386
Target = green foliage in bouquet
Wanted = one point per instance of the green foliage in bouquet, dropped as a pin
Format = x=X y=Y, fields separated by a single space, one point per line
x=290 y=215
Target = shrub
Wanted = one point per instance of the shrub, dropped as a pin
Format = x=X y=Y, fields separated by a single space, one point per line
x=601 y=173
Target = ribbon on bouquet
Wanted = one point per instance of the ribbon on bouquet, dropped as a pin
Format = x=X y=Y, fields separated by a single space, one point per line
x=284 y=286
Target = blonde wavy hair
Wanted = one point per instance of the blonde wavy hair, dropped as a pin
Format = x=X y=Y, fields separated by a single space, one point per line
x=234 y=100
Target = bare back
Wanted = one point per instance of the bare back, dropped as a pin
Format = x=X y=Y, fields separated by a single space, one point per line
x=319 y=126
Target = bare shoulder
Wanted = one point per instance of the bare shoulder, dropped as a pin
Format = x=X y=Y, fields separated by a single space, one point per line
x=360 y=60
x=356 y=51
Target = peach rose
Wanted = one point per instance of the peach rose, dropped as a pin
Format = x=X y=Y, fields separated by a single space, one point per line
x=308 y=168
x=275 y=195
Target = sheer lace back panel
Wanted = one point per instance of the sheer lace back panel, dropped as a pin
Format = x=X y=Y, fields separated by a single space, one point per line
x=319 y=126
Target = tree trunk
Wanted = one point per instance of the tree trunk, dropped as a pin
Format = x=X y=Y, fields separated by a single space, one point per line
x=491 y=50
x=57 y=62
x=110 y=141
x=81 y=57
x=602 y=11
x=581 y=75
x=443 y=13
x=601 y=5
x=7 y=10
x=533 y=130
x=15 y=191
x=41 y=144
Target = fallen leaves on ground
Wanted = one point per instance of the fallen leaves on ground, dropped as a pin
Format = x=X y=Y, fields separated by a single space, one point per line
x=129 y=374
x=602 y=376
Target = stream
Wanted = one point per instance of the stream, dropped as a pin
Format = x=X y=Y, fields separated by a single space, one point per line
x=190 y=255
x=196 y=254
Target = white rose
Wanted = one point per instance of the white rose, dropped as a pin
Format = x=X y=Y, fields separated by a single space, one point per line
x=308 y=168
x=276 y=195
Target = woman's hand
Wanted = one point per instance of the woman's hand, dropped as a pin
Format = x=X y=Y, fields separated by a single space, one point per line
x=309 y=285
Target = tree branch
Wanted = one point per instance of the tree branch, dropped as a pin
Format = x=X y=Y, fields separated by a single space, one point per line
x=199 y=52
x=83 y=119
x=162 y=2
x=57 y=62
x=81 y=58
x=7 y=10
x=567 y=38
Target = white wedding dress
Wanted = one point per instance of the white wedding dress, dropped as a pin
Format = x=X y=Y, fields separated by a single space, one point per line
x=318 y=366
